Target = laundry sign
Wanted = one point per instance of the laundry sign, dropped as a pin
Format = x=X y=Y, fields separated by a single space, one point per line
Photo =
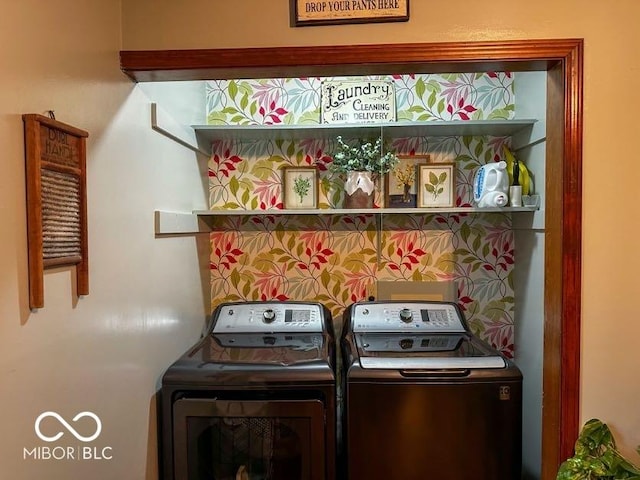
x=322 y=12
x=358 y=101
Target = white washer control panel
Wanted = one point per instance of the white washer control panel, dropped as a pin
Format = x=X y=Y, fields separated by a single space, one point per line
x=400 y=317
x=268 y=317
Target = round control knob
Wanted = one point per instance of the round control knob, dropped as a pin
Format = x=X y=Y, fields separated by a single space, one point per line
x=405 y=315
x=268 y=316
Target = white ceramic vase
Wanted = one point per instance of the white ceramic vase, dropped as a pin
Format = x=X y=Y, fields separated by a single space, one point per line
x=359 y=190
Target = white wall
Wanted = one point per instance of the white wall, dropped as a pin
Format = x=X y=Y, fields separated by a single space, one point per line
x=529 y=146
x=105 y=352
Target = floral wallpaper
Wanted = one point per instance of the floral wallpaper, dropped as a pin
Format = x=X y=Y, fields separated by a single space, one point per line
x=336 y=259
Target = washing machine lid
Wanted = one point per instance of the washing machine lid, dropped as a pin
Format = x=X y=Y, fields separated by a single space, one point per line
x=273 y=348
x=264 y=349
x=425 y=351
x=255 y=360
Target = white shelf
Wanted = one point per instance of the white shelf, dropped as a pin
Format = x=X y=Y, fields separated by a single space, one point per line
x=360 y=211
x=180 y=223
x=210 y=133
x=169 y=223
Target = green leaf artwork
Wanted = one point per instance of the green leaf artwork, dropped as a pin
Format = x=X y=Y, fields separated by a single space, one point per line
x=435 y=187
x=301 y=186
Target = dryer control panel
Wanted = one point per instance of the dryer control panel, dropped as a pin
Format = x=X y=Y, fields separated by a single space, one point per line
x=268 y=317
x=427 y=317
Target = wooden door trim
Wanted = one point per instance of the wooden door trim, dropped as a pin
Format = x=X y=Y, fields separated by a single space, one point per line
x=563 y=60
x=209 y=64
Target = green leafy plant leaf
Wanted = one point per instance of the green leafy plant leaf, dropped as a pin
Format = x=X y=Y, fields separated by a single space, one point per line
x=233 y=89
x=420 y=87
x=234 y=185
x=432 y=99
x=245 y=197
x=597 y=457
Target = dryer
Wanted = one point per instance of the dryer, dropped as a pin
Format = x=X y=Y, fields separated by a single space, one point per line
x=426 y=399
x=255 y=398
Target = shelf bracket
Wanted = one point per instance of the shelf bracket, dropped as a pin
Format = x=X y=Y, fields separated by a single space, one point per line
x=175 y=223
x=163 y=123
x=529 y=144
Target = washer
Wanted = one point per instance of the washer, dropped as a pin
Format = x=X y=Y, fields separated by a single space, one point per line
x=426 y=399
x=255 y=398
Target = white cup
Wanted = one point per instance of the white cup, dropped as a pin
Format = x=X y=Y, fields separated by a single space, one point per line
x=515 y=195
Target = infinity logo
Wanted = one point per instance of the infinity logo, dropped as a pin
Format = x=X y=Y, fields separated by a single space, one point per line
x=66 y=425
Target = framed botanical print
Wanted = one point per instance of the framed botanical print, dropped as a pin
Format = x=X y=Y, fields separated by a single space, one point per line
x=400 y=184
x=300 y=187
x=436 y=185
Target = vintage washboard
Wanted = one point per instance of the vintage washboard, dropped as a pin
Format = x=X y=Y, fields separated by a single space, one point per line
x=56 y=202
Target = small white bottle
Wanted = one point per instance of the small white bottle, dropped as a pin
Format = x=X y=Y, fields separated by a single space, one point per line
x=515 y=195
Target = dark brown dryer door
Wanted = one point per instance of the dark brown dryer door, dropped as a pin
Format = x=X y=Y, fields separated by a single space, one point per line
x=257 y=440
x=441 y=430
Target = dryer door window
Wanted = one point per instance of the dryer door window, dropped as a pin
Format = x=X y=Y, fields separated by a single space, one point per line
x=254 y=440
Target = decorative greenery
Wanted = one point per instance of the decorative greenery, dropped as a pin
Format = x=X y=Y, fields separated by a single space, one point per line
x=596 y=457
x=301 y=186
x=366 y=156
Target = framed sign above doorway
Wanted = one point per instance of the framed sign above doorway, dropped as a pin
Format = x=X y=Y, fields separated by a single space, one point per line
x=325 y=12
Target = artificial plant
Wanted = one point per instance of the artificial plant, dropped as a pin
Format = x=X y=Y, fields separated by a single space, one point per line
x=597 y=457
x=365 y=157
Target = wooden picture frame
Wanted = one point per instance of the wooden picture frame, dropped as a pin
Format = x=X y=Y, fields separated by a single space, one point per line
x=395 y=195
x=300 y=188
x=303 y=13
x=437 y=186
